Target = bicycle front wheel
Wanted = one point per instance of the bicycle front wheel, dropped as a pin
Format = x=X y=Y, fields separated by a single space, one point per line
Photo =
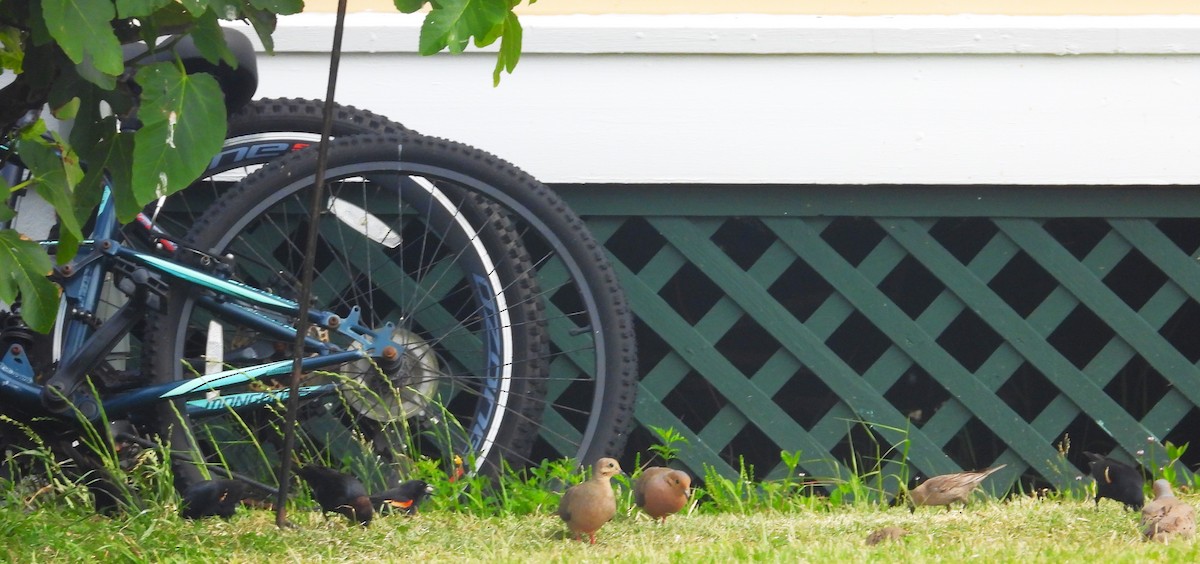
x=407 y=238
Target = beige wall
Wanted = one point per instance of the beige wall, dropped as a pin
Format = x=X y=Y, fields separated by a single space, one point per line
x=831 y=7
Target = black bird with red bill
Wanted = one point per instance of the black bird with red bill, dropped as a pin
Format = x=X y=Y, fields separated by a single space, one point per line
x=405 y=497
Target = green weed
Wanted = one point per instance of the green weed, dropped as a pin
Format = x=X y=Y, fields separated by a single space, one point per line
x=668 y=438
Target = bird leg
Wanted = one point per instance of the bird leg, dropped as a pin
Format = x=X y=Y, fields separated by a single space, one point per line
x=40 y=491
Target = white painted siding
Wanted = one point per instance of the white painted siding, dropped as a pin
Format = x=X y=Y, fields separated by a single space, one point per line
x=789 y=99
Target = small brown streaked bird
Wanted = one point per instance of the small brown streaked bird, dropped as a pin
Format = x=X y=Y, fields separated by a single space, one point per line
x=588 y=506
x=1167 y=517
x=661 y=491
x=886 y=534
x=948 y=488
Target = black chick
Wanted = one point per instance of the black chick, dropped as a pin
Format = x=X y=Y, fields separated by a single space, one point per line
x=212 y=497
x=338 y=492
x=1116 y=481
x=407 y=496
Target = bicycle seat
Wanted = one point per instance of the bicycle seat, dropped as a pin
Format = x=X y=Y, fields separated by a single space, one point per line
x=238 y=84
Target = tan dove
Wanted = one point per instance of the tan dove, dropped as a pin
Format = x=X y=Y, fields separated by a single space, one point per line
x=588 y=506
x=1167 y=516
x=661 y=491
x=886 y=534
x=948 y=488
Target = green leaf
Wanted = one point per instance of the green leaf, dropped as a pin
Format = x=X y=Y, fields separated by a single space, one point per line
x=38 y=33
x=409 y=6
x=452 y=23
x=23 y=269
x=89 y=72
x=35 y=129
x=118 y=162
x=54 y=175
x=6 y=213
x=137 y=8
x=109 y=155
x=264 y=24
x=67 y=110
x=510 y=48
x=169 y=17
x=194 y=7
x=66 y=86
x=226 y=9
x=83 y=30
x=280 y=7
x=183 y=126
x=210 y=41
x=491 y=36
x=11 y=52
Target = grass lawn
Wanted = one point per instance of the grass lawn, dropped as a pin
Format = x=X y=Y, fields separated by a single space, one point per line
x=1021 y=529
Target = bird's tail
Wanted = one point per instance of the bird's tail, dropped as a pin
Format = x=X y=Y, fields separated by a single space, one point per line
x=991 y=470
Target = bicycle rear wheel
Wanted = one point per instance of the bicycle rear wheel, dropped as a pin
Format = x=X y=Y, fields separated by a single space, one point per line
x=430 y=192
x=258 y=133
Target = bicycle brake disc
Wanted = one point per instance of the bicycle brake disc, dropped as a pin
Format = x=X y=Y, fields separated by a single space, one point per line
x=398 y=392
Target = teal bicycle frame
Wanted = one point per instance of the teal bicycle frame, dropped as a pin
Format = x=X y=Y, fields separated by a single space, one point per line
x=81 y=285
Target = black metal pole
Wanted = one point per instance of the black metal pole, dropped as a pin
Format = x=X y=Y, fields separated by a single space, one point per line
x=314 y=211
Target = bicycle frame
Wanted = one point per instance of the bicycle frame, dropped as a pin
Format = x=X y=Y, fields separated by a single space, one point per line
x=82 y=280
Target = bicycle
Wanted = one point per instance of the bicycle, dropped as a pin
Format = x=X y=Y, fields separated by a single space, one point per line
x=481 y=236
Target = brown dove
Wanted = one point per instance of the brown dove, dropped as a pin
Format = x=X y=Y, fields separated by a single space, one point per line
x=1167 y=516
x=661 y=491
x=948 y=488
x=886 y=534
x=588 y=506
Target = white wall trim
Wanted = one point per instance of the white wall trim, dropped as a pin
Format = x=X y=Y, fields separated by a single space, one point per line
x=781 y=34
x=751 y=99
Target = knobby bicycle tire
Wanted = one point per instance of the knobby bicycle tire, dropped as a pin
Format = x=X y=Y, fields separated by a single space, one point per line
x=589 y=413
x=266 y=129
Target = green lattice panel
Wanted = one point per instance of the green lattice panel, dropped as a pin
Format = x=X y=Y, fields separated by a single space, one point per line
x=1058 y=388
